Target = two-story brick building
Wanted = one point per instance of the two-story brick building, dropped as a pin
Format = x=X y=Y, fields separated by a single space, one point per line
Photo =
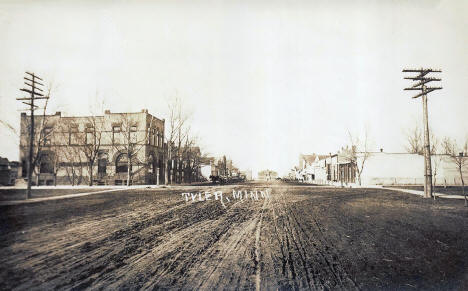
x=109 y=148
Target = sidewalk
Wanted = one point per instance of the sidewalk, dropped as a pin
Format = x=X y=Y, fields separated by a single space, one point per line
x=409 y=191
x=417 y=192
x=106 y=190
x=34 y=200
x=66 y=196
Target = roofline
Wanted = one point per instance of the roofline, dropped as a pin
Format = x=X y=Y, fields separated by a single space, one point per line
x=91 y=116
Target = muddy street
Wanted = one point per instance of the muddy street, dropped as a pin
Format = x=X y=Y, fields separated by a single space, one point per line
x=298 y=237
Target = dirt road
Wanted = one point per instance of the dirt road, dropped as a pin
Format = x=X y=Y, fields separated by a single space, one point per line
x=297 y=238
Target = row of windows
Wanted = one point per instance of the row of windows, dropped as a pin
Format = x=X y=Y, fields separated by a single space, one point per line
x=121 y=164
x=118 y=136
x=155 y=138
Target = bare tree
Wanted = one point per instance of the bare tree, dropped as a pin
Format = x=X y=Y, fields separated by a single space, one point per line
x=186 y=153
x=447 y=145
x=436 y=158
x=175 y=136
x=56 y=158
x=182 y=137
x=459 y=155
x=73 y=165
x=69 y=149
x=92 y=143
x=415 y=142
x=190 y=156
x=130 y=141
x=42 y=135
x=47 y=144
x=56 y=161
x=358 y=153
x=415 y=145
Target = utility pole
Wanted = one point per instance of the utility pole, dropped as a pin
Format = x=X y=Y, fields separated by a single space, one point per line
x=35 y=92
x=421 y=80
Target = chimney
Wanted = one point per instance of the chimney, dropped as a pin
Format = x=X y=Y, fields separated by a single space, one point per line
x=144 y=110
x=107 y=111
x=59 y=113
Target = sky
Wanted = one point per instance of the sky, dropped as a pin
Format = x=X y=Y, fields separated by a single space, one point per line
x=262 y=81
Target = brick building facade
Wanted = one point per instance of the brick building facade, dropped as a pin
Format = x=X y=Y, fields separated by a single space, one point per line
x=109 y=148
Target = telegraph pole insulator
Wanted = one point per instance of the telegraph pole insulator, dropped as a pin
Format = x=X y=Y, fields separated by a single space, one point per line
x=422 y=80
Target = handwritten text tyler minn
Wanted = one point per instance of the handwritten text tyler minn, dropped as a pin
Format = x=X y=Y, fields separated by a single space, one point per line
x=225 y=197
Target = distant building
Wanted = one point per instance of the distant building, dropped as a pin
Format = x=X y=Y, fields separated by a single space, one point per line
x=307 y=160
x=380 y=168
x=119 y=142
x=247 y=174
x=310 y=169
x=222 y=167
x=267 y=175
x=8 y=172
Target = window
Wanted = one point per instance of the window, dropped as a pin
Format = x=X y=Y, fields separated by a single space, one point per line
x=47 y=135
x=133 y=134
x=90 y=138
x=73 y=137
x=152 y=163
x=46 y=164
x=102 y=164
x=24 y=168
x=121 y=164
x=116 y=135
x=26 y=129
